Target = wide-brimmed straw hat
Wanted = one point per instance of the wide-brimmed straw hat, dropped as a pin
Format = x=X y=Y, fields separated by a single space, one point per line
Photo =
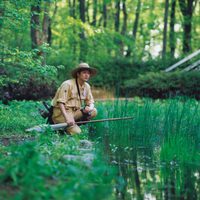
x=81 y=67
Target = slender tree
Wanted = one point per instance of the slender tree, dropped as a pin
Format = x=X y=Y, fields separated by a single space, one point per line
x=172 y=40
x=35 y=24
x=117 y=15
x=82 y=10
x=104 y=14
x=87 y=8
x=136 y=22
x=72 y=8
x=40 y=32
x=165 y=28
x=46 y=28
x=125 y=17
x=187 y=7
x=94 y=14
x=135 y=27
x=124 y=24
x=83 y=46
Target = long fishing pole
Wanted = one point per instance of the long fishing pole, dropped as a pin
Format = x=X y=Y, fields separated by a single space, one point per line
x=103 y=120
x=61 y=126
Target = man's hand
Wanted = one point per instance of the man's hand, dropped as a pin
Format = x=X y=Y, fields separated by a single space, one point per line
x=86 y=109
x=70 y=122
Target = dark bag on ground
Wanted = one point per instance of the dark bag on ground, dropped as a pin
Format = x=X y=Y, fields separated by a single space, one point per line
x=47 y=112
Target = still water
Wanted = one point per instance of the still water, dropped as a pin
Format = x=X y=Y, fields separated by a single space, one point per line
x=142 y=173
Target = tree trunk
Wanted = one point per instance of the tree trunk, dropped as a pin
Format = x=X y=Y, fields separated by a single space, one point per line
x=187 y=12
x=87 y=11
x=117 y=15
x=35 y=24
x=82 y=10
x=83 y=46
x=72 y=8
x=94 y=16
x=104 y=14
x=135 y=27
x=2 y=10
x=165 y=29
x=46 y=23
x=136 y=22
x=46 y=28
x=172 y=40
x=124 y=26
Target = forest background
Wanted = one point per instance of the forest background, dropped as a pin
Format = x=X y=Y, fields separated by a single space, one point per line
x=130 y=42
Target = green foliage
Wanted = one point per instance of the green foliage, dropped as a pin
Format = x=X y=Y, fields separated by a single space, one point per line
x=18 y=116
x=38 y=170
x=33 y=166
x=163 y=85
x=24 y=76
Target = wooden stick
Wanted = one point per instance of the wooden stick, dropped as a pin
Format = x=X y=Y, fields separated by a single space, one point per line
x=61 y=126
x=103 y=120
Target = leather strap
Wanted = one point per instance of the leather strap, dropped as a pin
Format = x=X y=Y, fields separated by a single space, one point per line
x=78 y=91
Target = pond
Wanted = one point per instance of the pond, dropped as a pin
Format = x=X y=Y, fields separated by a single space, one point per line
x=156 y=155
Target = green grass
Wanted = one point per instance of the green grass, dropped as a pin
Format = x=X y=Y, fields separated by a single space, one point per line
x=38 y=170
x=33 y=166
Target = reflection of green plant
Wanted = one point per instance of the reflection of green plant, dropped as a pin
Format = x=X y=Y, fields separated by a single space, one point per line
x=180 y=161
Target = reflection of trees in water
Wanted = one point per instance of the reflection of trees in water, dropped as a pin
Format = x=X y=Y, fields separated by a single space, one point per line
x=128 y=181
x=180 y=182
x=140 y=174
x=131 y=177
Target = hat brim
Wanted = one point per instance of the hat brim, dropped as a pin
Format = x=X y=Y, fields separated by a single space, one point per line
x=92 y=71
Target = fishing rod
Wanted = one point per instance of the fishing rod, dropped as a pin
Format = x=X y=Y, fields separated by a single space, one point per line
x=61 y=126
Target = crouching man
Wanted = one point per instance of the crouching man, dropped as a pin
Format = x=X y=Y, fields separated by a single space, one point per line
x=73 y=100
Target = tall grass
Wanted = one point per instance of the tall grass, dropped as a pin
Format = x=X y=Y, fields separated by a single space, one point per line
x=157 y=152
x=153 y=120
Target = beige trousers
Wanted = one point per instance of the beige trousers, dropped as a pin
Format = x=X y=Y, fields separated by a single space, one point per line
x=58 y=117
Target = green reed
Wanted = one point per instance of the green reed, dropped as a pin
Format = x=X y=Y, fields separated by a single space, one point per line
x=153 y=122
x=164 y=136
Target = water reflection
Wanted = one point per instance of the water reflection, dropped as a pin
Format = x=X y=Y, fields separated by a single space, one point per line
x=142 y=175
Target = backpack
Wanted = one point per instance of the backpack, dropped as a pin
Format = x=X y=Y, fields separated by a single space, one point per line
x=46 y=112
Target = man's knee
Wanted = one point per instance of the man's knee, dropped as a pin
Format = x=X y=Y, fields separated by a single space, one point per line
x=72 y=130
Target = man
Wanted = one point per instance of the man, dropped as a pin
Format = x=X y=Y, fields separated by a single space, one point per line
x=73 y=100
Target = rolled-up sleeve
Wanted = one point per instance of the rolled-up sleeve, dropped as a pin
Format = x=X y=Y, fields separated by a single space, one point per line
x=62 y=93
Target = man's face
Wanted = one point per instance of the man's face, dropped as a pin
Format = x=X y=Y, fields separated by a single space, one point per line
x=84 y=75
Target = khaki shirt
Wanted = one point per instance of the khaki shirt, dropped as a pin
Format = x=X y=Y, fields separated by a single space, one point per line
x=67 y=94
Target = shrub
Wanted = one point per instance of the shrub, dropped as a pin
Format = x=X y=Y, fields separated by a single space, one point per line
x=163 y=85
x=24 y=76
